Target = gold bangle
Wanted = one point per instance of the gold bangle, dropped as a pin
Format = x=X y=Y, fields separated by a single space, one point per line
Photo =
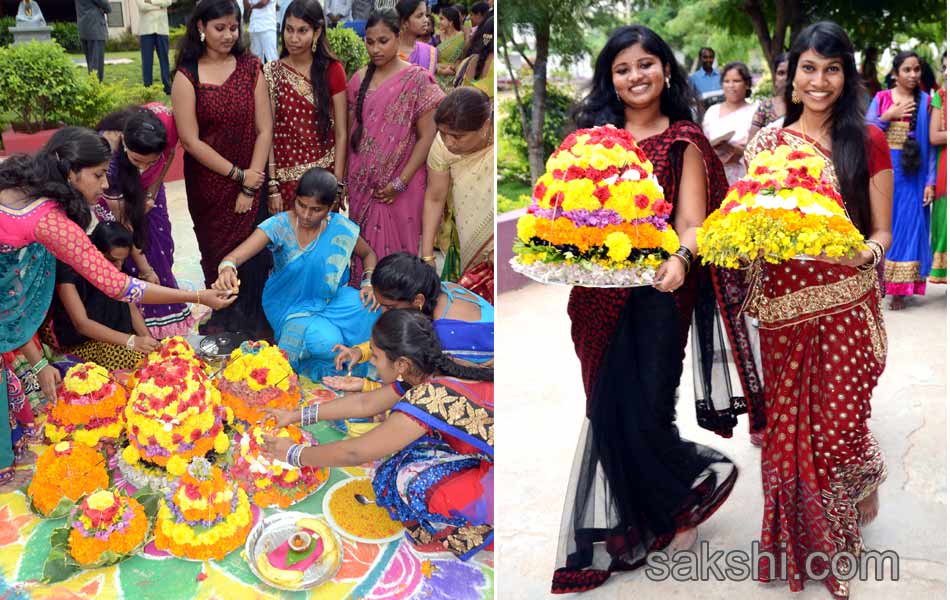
x=428 y=258
x=198 y=296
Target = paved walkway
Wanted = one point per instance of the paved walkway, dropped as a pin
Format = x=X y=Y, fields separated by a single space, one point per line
x=540 y=410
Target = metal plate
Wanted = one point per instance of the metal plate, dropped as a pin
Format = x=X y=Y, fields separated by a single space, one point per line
x=277 y=529
x=220 y=345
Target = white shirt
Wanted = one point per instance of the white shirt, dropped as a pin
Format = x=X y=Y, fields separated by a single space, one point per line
x=340 y=7
x=263 y=19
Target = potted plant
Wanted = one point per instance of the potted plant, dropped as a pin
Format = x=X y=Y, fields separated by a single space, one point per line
x=37 y=85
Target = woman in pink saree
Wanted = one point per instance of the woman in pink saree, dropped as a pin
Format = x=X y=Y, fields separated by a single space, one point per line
x=391 y=129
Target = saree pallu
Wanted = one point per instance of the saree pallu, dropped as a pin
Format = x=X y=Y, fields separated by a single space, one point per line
x=423 y=55
x=298 y=145
x=441 y=486
x=938 y=217
x=823 y=350
x=306 y=299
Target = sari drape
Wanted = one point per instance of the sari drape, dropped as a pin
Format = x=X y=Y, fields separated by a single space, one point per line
x=306 y=299
x=441 y=486
x=938 y=222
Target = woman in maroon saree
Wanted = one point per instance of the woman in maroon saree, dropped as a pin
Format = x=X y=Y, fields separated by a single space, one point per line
x=636 y=484
x=225 y=126
x=822 y=334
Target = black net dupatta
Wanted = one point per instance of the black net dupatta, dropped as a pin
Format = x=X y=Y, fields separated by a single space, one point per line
x=635 y=481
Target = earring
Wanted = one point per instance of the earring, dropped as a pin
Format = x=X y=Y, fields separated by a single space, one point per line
x=796 y=97
x=313 y=47
x=617 y=94
x=201 y=36
x=667 y=83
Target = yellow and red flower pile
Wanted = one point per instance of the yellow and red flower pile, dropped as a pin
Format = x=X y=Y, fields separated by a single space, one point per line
x=598 y=204
x=273 y=482
x=173 y=415
x=106 y=522
x=781 y=209
x=168 y=348
x=258 y=376
x=89 y=409
x=66 y=470
x=204 y=516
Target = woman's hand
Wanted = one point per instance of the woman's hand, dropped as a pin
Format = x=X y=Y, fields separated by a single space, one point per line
x=344 y=383
x=277 y=447
x=217 y=299
x=929 y=193
x=859 y=259
x=280 y=417
x=253 y=179
x=368 y=297
x=49 y=379
x=243 y=203
x=346 y=356
x=227 y=280
x=149 y=202
x=145 y=344
x=387 y=195
x=275 y=202
x=671 y=275
x=899 y=110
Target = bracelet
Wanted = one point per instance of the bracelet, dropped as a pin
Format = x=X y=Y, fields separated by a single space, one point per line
x=428 y=259
x=249 y=191
x=309 y=415
x=293 y=455
x=369 y=385
x=226 y=264
x=130 y=343
x=39 y=366
x=685 y=253
x=198 y=296
x=233 y=171
x=272 y=182
x=682 y=258
x=398 y=185
x=365 y=351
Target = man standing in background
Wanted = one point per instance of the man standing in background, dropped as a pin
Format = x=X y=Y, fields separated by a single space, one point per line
x=93 y=32
x=706 y=79
x=153 y=35
x=263 y=28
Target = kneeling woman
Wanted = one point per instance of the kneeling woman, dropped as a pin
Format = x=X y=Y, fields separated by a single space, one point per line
x=306 y=299
x=87 y=323
x=440 y=433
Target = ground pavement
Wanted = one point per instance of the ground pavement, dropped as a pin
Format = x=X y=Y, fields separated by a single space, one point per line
x=541 y=409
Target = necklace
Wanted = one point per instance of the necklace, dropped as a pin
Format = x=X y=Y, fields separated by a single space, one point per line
x=320 y=229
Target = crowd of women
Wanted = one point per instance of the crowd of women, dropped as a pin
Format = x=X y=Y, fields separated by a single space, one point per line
x=912 y=116
x=810 y=364
x=275 y=156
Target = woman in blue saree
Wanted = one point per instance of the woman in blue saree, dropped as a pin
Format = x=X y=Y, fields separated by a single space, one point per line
x=306 y=299
x=439 y=436
x=902 y=114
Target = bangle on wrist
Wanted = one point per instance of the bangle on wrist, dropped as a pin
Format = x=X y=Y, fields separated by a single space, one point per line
x=682 y=258
x=197 y=296
x=293 y=455
x=398 y=185
x=40 y=365
x=309 y=415
x=428 y=258
x=226 y=264
x=130 y=343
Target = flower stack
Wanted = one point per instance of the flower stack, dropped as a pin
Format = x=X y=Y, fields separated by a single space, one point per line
x=106 y=522
x=598 y=216
x=89 y=409
x=64 y=473
x=174 y=414
x=169 y=348
x=204 y=516
x=781 y=209
x=273 y=482
x=258 y=375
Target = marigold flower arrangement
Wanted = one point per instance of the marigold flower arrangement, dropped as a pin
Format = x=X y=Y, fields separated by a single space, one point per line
x=781 y=209
x=273 y=482
x=89 y=409
x=64 y=473
x=258 y=375
x=598 y=216
x=168 y=348
x=204 y=516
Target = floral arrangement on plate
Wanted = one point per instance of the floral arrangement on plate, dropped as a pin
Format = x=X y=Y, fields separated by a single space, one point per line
x=168 y=348
x=174 y=414
x=64 y=473
x=273 y=482
x=258 y=375
x=89 y=409
x=102 y=529
x=204 y=516
x=598 y=216
x=780 y=210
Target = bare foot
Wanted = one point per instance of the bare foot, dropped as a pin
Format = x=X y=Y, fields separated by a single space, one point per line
x=897 y=303
x=683 y=540
x=867 y=509
x=756 y=439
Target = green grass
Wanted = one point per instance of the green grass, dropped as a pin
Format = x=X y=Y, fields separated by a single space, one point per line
x=130 y=74
x=510 y=193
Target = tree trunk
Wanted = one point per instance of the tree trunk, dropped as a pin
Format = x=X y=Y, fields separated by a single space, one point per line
x=535 y=137
x=787 y=13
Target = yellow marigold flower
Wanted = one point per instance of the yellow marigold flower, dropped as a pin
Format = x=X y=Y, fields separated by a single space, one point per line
x=618 y=246
x=221 y=443
x=131 y=454
x=176 y=466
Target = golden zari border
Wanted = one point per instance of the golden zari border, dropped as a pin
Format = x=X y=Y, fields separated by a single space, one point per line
x=810 y=302
x=902 y=272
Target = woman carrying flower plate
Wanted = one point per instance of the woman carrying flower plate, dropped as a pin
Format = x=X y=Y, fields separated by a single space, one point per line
x=439 y=435
x=653 y=486
x=823 y=340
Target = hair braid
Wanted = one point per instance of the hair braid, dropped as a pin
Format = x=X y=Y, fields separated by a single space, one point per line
x=358 y=132
x=910 y=151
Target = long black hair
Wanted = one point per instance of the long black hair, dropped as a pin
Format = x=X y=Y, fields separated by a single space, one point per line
x=400 y=276
x=319 y=184
x=390 y=19
x=405 y=8
x=311 y=12
x=408 y=333
x=601 y=106
x=910 y=152
x=451 y=14
x=482 y=45
x=191 y=48
x=848 y=128
x=143 y=133
x=46 y=175
x=110 y=234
